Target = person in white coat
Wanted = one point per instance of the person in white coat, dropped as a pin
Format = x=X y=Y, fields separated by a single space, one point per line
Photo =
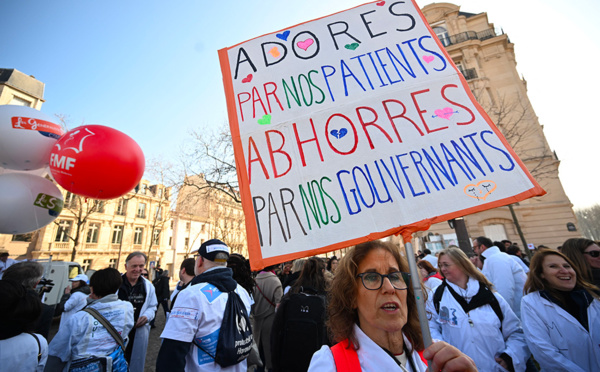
x=20 y=350
x=373 y=317
x=140 y=293
x=75 y=297
x=81 y=336
x=506 y=275
x=561 y=315
x=466 y=313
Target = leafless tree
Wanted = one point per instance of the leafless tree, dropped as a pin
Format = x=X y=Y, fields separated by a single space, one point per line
x=210 y=154
x=517 y=122
x=589 y=221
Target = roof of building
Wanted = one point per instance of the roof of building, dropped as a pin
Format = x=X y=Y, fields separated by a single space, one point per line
x=467 y=15
x=20 y=81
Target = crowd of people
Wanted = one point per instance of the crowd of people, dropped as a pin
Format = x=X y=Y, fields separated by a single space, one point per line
x=493 y=311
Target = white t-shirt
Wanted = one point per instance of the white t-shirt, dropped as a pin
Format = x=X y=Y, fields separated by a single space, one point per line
x=197 y=315
x=20 y=353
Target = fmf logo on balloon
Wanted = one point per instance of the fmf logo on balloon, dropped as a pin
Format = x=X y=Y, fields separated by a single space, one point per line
x=63 y=162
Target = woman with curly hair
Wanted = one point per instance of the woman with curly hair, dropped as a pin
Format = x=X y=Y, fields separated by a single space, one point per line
x=373 y=317
x=585 y=254
x=561 y=315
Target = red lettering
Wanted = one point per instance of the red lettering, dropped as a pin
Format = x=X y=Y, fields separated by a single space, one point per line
x=300 y=143
x=271 y=93
x=421 y=112
x=278 y=151
x=252 y=145
x=329 y=140
x=402 y=115
x=457 y=104
x=256 y=98
x=244 y=101
x=371 y=123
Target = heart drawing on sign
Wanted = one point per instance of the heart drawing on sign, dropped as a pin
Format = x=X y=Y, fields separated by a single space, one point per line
x=339 y=133
x=381 y=3
x=266 y=119
x=274 y=52
x=445 y=113
x=305 y=44
x=247 y=79
x=480 y=191
x=428 y=58
x=352 y=46
x=284 y=35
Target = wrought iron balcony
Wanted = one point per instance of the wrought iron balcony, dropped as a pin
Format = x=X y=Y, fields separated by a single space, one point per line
x=470 y=35
x=469 y=73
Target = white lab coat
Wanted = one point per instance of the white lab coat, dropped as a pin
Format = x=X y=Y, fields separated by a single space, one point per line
x=20 y=353
x=520 y=262
x=506 y=275
x=433 y=260
x=140 y=343
x=371 y=356
x=557 y=340
x=483 y=340
x=76 y=302
x=80 y=337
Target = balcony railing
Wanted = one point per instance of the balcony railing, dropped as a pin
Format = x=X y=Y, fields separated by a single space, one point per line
x=470 y=35
x=469 y=73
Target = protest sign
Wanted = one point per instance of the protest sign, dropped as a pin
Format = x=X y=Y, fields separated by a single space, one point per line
x=356 y=126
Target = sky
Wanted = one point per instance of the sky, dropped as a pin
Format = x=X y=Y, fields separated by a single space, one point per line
x=150 y=68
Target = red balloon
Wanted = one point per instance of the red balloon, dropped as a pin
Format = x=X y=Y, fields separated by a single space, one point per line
x=97 y=162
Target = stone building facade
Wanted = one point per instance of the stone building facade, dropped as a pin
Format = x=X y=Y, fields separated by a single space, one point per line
x=486 y=57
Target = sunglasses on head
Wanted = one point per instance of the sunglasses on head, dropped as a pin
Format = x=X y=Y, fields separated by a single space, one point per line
x=144 y=274
x=594 y=254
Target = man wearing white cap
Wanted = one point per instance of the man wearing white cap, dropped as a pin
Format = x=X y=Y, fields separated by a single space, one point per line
x=197 y=317
x=75 y=297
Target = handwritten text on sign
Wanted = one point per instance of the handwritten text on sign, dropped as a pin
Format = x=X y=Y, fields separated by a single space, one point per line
x=354 y=125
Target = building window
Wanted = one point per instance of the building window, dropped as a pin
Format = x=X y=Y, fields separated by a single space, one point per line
x=495 y=232
x=170 y=241
x=22 y=237
x=141 y=211
x=117 y=234
x=137 y=236
x=156 y=237
x=86 y=265
x=62 y=233
x=122 y=207
x=92 y=233
x=187 y=243
x=70 y=200
x=158 y=213
x=112 y=263
x=101 y=205
x=160 y=192
x=18 y=101
x=188 y=225
x=442 y=34
x=143 y=189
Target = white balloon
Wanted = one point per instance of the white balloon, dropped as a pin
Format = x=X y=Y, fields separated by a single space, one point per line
x=27 y=203
x=26 y=137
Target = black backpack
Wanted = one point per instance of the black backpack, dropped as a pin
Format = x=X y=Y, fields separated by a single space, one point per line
x=235 y=337
x=298 y=330
x=484 y=297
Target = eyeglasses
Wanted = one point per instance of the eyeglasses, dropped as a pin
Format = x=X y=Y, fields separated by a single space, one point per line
x=594 y=254
x=373 y=281
x=145 y=274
